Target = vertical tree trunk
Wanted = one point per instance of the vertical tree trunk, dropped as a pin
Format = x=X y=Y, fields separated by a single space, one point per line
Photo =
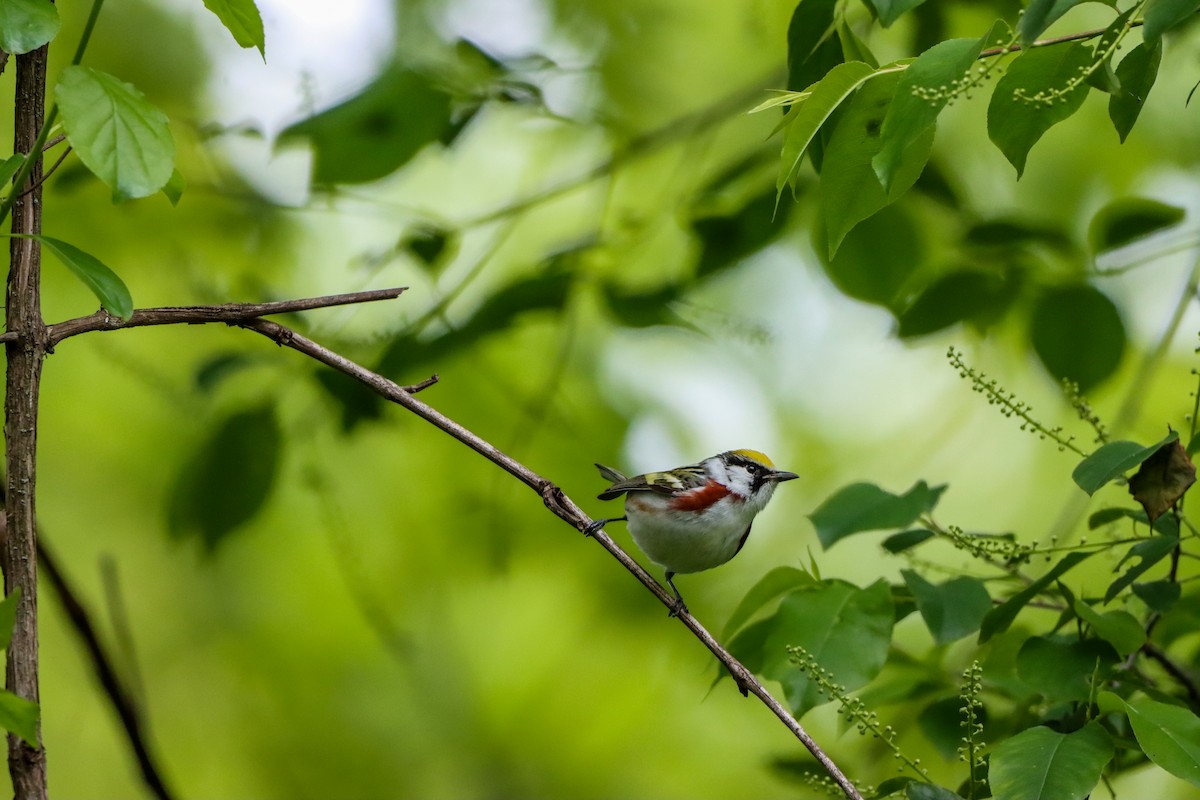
x=18 y=556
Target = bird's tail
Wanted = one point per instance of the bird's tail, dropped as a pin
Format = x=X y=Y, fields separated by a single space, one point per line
x=610 y=474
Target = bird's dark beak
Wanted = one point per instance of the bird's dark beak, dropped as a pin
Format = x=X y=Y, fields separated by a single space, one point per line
x=779 y=476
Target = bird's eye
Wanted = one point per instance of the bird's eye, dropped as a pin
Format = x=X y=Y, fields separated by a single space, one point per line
x=752 y=469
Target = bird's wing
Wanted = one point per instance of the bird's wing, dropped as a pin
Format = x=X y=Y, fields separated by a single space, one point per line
x=668 y=483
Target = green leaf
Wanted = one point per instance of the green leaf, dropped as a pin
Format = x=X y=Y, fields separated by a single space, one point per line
x=374 y=133
x=774 y=583
x=813 y=49
x=849 y=191
x=927 y=791
x=1001 y=617
x=1128 y=219
x=9 y=168
x=19 y=716
x=1136 y=74
x=1119 y=628
x=240 y=18
x=1108 y=515
x=865 y=507
x=941 y=723
x=854 y=48
x=1030 y=98
x=227 y=481
x=1162 y=15
x=116 y=132
x=963 y=295
x=26 y=25
x=173 y=189
x=725 y=239
x=1148 y=553
x=811 y=113
x=749 y=646
x=1041 y=764
x=108 y=287
x=1113 y=460
x=1061 y=669
x=1041 y=14
x=864 y=271
x=923 y=91
x=846 y=629
x=899 y=542
x=1078 y=334
x=1169 y=735
x=1159 y=596
x=8 y=616
x=889 y=11
x=952 y=609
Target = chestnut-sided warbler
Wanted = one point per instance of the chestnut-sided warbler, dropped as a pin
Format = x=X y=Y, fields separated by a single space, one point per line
x=697 y=517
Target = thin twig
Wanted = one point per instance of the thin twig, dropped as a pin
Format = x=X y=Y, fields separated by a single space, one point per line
x=1053 y=40
x=559 y=504
x=49 y=172
x=229 y=313
x=1177 y=672
x=53 y=140
x=102 y=664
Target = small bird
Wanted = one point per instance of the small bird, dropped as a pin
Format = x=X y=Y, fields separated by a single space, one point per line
x=697 y=517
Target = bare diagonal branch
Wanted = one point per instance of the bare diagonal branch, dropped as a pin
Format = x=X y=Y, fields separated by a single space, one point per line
x=562 y=506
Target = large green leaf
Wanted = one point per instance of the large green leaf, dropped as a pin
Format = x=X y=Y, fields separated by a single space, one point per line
x=1113 y=460
x=19 y=716
x=227 y=481
x=1136 y=74
x=951 y=610
x=813 y=49
x=1119 y=628
x=1128 y=219
x=1162 y=15
x=242 y=19
x=921 y=95
x=374 y=133
x=774 y=583
x=1148 y=553
x=849 y=191
x=1041 y=14
x=865 y=507
x=118 y=134
x=889 y=11
x=725 y=239
x=967 y=295
x=1001 y=617
x=1041 y=764
x=865 y=271
x=846 y=629
x=27 y=25
x=1031 y=98
x=1169 y=735
x=927 y=791
x=108 y=287
x=1078 y=334
x=808 y=115
x=1062 y=669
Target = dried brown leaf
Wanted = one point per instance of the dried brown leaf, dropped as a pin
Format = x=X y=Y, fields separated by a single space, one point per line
x=1162 y=479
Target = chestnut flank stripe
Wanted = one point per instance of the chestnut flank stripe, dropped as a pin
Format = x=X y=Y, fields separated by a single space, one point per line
x=702 y=498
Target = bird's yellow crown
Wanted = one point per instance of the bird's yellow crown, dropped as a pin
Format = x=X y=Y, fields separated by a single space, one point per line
x=757 y=456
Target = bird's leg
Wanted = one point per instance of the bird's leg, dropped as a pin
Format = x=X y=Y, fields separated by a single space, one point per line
x=597 y=524
x=680 y=607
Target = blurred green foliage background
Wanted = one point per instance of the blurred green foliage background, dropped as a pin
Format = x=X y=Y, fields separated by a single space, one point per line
x=397 y=618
